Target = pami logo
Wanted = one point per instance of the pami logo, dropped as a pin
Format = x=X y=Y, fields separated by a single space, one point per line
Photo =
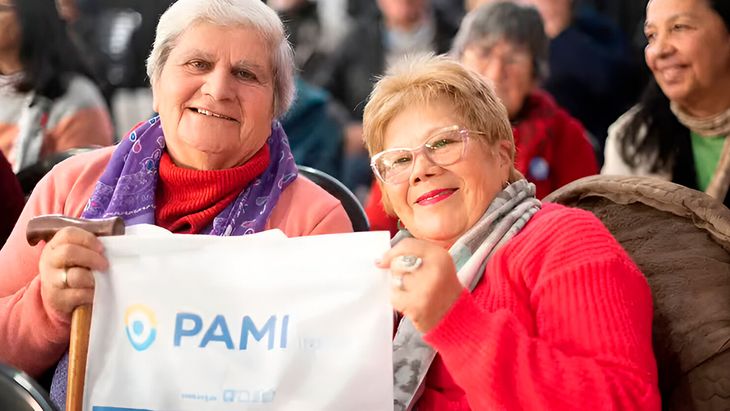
x=141 y=326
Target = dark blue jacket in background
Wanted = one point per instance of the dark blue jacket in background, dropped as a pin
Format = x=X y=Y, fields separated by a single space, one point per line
x=594 y=73
x=314 y=131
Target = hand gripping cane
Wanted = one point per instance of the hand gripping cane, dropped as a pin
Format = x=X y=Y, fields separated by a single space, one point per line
x=44 y=228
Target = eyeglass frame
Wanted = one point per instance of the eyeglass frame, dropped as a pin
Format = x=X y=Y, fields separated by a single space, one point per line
x=516 y=58
x=463 y=131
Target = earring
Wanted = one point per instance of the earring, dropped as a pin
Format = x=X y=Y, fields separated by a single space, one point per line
x=400 y=225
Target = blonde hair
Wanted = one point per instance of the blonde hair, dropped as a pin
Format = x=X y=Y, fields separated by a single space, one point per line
x=426 y=79
x=183 y=14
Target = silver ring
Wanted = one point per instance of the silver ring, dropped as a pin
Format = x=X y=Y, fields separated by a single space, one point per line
x=409 y=263
x=64 y=278
x=397 y=281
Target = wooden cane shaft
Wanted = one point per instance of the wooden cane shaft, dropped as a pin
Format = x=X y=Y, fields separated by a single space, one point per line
x=78 y=349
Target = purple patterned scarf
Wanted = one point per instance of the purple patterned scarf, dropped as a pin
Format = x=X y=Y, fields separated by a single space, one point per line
x=127 y=189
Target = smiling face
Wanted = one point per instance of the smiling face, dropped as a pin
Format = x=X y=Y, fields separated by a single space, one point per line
x=440 y=203
x=215 y=96
x=688 y=52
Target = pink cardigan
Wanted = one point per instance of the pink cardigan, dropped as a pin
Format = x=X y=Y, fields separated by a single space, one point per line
x=32 y=337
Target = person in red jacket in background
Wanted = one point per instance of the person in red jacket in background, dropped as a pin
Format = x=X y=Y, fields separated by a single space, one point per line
x=506 y=44
x=505 y=303
x=12 y=199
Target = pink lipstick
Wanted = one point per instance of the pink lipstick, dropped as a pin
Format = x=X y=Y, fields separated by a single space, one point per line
x=435 y=196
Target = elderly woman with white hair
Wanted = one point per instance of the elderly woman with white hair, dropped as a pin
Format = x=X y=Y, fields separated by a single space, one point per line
x=216 y=161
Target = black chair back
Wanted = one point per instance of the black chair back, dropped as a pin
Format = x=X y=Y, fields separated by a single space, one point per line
x=352 y=206
x=19 y=392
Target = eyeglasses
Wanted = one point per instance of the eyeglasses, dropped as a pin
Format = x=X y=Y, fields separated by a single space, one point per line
x=481 y=58
x=446 y=147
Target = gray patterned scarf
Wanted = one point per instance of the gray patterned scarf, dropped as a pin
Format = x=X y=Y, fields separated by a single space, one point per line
x=508 y=213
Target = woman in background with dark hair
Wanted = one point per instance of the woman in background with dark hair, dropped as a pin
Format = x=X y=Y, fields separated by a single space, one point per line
x=679 y=130
x=48 y=102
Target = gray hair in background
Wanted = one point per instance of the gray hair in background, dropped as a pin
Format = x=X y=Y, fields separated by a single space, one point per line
x=517 y=24
x=229 y=13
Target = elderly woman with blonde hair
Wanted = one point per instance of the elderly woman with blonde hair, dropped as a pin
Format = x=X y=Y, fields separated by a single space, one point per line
x=216 y=161
x=505 y=303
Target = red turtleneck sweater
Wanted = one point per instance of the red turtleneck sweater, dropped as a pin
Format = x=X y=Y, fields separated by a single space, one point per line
x=187 y=200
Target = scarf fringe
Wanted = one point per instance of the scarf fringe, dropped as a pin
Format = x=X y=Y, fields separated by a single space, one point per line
x=713 y=126
x=720 y=182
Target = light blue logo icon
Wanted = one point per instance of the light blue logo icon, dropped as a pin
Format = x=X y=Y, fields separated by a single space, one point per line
x=140 y=324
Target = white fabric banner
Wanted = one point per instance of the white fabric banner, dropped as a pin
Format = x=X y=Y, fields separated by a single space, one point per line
x=260 y=322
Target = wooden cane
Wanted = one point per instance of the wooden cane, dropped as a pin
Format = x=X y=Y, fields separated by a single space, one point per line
x=44 y=228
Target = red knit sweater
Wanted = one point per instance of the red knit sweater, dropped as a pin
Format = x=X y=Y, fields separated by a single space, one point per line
x=561 y=320
x=188 y=200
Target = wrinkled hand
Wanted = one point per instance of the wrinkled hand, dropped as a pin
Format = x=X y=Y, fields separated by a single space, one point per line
x=423 y=292
x=75 y=252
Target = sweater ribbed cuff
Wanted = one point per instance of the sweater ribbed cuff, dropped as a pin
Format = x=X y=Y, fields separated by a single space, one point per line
x=454 y=328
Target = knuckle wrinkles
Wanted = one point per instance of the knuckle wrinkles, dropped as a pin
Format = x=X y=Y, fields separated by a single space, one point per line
x=65 y=234
x=64 y=253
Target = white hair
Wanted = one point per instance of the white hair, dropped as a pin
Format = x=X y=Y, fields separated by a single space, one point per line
x=247 y=13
